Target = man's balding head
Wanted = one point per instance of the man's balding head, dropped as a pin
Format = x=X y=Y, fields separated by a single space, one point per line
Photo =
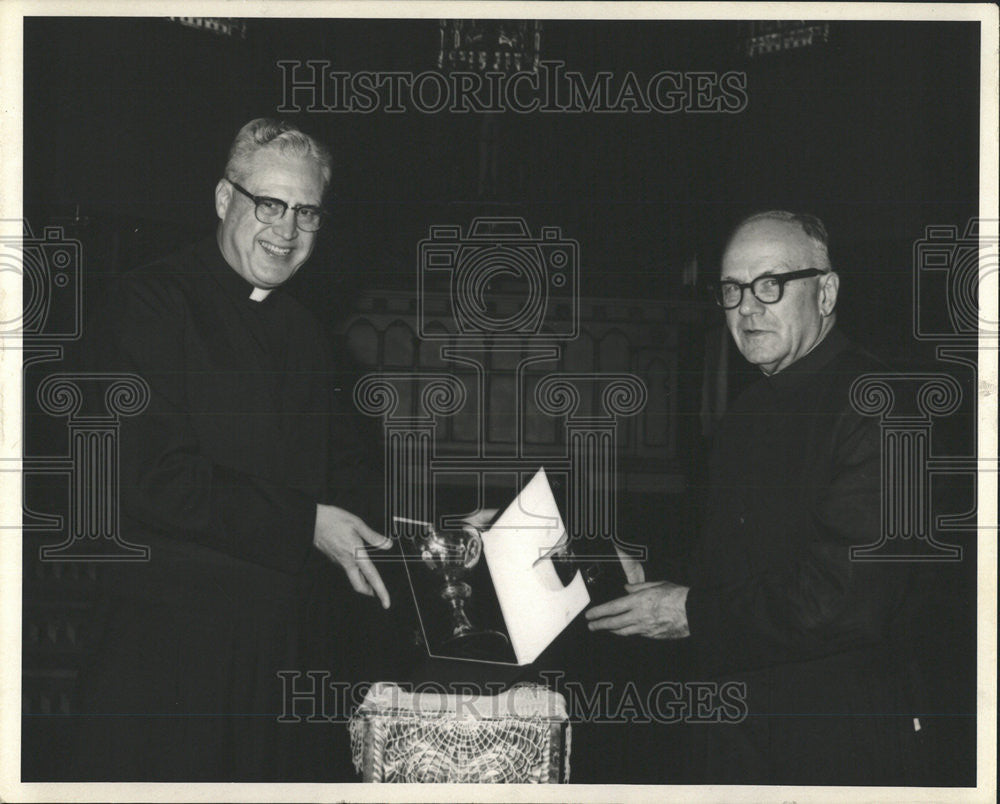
x=811 y=226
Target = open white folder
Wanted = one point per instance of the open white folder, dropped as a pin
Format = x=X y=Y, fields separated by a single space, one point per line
x=536 y=606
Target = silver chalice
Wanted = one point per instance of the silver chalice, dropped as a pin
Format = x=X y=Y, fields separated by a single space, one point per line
x=451 y=555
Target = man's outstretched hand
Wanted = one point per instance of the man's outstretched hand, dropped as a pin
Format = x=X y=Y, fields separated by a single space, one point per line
x=341 y=536
x=654 y=609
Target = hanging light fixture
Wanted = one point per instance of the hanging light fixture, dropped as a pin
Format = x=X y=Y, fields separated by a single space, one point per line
x=505 y=46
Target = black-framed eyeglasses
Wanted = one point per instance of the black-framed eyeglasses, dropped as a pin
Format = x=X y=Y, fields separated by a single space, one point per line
x=308 y=218
x=767 y=289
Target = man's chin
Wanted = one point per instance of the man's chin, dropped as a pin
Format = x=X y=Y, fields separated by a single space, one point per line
x=272 y=276
x=764 y=360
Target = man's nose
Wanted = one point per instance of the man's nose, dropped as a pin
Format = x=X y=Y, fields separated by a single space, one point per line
x=750 y=304
x=286 y=225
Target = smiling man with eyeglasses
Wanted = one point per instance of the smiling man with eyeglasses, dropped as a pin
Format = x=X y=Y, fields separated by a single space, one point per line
x=238 y=476
x=266 y=233
x=774 y=602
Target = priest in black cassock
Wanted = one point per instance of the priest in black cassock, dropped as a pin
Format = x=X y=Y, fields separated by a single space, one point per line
x=229 y=477
x=776 y=603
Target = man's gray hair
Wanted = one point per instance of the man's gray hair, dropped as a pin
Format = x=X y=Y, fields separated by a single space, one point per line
x=277 y=135
x=813 y=227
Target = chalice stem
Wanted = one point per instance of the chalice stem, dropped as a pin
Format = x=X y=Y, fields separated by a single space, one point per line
x=456 y=594
x=458 y=616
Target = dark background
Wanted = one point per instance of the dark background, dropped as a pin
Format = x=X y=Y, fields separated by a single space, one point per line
x=127 y=123
x=875 y=131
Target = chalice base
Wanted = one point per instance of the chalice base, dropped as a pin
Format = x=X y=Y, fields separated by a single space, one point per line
x=478 y=643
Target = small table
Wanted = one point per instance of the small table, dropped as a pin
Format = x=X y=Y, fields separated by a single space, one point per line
x=519 y=736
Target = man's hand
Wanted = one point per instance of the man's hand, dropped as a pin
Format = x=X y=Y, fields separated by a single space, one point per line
x=655 y=609
x=341 y=537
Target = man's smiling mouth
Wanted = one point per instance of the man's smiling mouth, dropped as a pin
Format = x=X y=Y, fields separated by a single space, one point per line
x=274 y=250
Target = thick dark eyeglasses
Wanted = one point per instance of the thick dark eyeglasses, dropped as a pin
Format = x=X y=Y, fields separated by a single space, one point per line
x=767 y=289
x=308 y=218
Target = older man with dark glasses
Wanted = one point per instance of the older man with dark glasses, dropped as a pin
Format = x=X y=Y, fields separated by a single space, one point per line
x=776 y=604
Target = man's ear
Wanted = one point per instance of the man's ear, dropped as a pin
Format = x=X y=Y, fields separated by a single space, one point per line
x=223 y=196
x=829 y=285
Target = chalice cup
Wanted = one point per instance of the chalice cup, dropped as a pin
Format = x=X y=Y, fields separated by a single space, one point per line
x=451 y=555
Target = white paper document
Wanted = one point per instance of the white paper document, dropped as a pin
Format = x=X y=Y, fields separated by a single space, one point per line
x=536 y=606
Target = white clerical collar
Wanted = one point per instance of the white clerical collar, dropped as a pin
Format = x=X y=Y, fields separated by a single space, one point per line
x=259 y=294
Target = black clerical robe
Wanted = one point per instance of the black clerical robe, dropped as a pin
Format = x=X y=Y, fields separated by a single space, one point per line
x=777 y=603
x=220 y=476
